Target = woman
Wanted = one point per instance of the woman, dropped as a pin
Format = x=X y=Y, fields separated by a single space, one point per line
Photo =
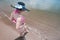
x=19 y=19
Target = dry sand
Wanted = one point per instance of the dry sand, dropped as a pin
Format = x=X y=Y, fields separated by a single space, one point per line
x=44 y=26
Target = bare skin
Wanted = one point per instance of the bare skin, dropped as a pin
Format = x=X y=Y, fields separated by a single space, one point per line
x=21 y=28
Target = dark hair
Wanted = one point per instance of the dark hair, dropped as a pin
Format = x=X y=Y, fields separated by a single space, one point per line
x=21 y=3
x=20 y=9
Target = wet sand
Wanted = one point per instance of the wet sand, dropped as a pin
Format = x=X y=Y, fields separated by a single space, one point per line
x=45 y=25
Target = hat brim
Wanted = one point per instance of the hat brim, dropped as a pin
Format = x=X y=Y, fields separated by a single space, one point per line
x=21 y=7
x=25 y=9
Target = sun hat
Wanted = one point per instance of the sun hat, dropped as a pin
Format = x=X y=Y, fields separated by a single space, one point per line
x=21 y=5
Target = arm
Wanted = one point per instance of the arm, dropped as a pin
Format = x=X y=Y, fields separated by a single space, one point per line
x=11 y=16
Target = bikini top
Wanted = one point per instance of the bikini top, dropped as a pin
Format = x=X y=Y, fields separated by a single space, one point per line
x=22 y=18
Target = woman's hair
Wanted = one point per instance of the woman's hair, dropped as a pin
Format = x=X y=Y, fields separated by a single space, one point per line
x=20 y=9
